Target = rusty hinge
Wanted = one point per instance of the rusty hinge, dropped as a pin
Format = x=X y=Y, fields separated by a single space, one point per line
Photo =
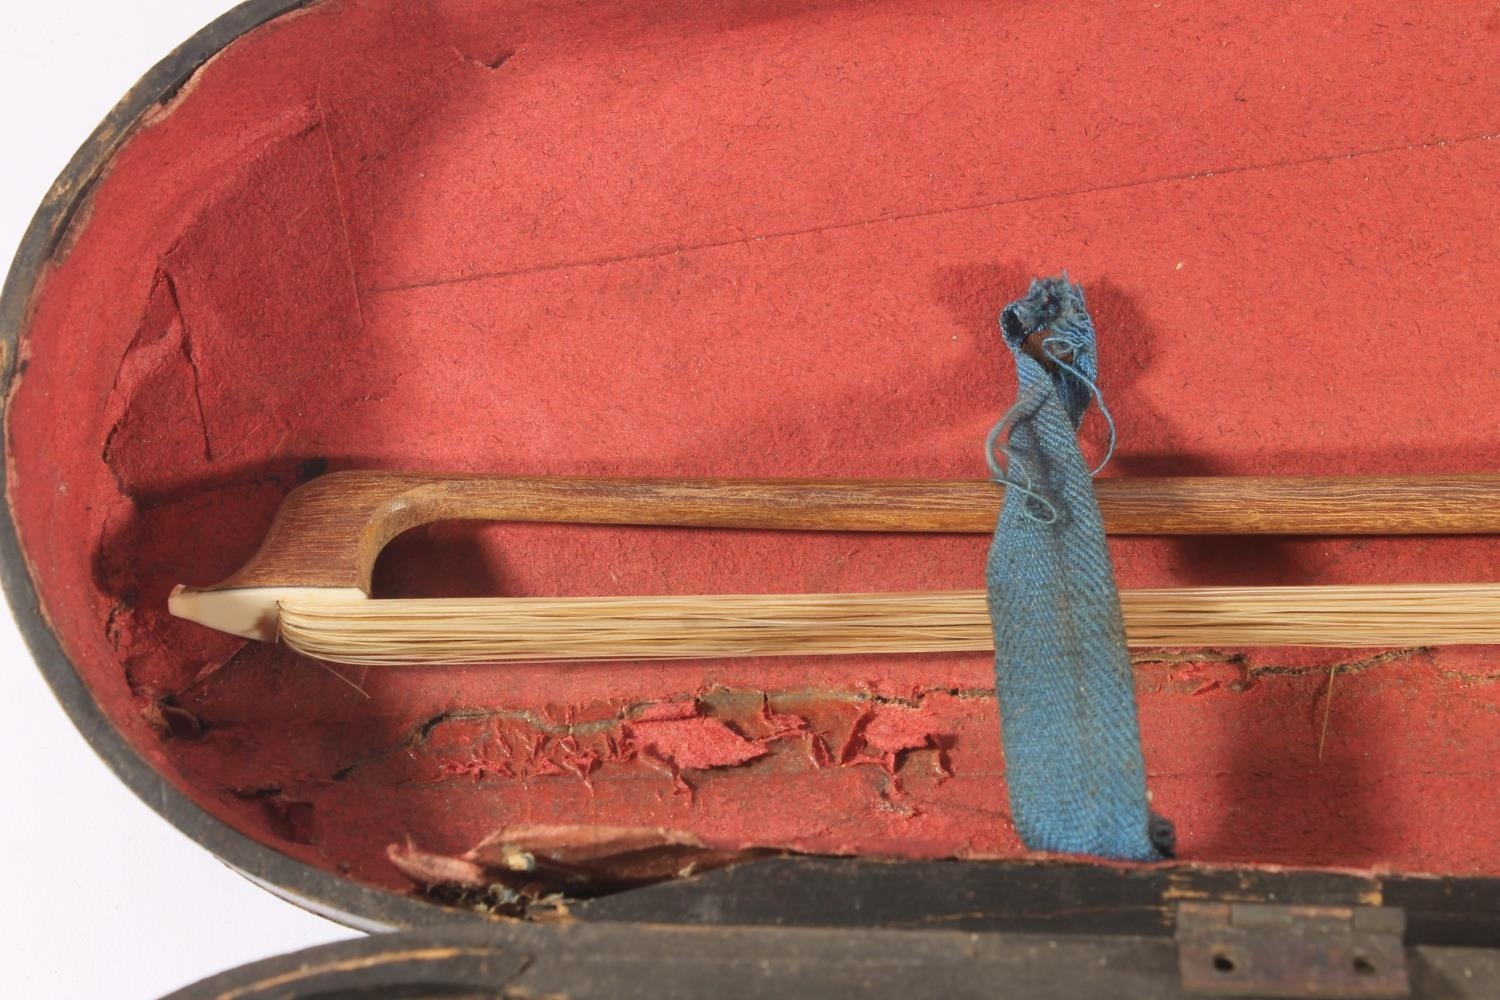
x=1260 y=949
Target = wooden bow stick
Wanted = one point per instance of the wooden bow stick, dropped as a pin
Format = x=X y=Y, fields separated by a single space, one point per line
x=309 y=584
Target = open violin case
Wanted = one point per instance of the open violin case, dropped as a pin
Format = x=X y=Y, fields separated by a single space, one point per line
x=770 y=238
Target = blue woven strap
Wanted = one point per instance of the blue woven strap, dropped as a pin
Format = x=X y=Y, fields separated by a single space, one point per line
x=1073 y=762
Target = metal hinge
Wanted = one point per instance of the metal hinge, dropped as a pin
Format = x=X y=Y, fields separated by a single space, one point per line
x=1260 y=949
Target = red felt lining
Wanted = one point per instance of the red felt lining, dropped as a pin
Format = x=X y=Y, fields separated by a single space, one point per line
x=770 y=239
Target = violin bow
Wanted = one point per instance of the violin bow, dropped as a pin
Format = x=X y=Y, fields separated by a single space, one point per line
x=309 y=584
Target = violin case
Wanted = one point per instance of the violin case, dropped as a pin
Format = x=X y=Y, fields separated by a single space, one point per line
x=761 y=238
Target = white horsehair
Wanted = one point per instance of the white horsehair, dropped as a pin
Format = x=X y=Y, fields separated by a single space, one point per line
x=486 y=630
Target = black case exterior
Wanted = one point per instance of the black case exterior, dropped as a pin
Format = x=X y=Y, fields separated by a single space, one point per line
x=815 y=928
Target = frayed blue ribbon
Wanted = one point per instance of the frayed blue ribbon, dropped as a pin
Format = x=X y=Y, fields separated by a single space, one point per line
x=1074 y=770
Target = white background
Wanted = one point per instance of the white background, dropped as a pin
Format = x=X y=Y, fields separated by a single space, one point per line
x=101 y=898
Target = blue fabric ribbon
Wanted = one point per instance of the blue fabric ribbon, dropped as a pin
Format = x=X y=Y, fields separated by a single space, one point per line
x=1073 y=762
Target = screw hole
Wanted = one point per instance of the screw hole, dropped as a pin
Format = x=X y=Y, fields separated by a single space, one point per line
x=1363 y=966
x=1223 y=963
